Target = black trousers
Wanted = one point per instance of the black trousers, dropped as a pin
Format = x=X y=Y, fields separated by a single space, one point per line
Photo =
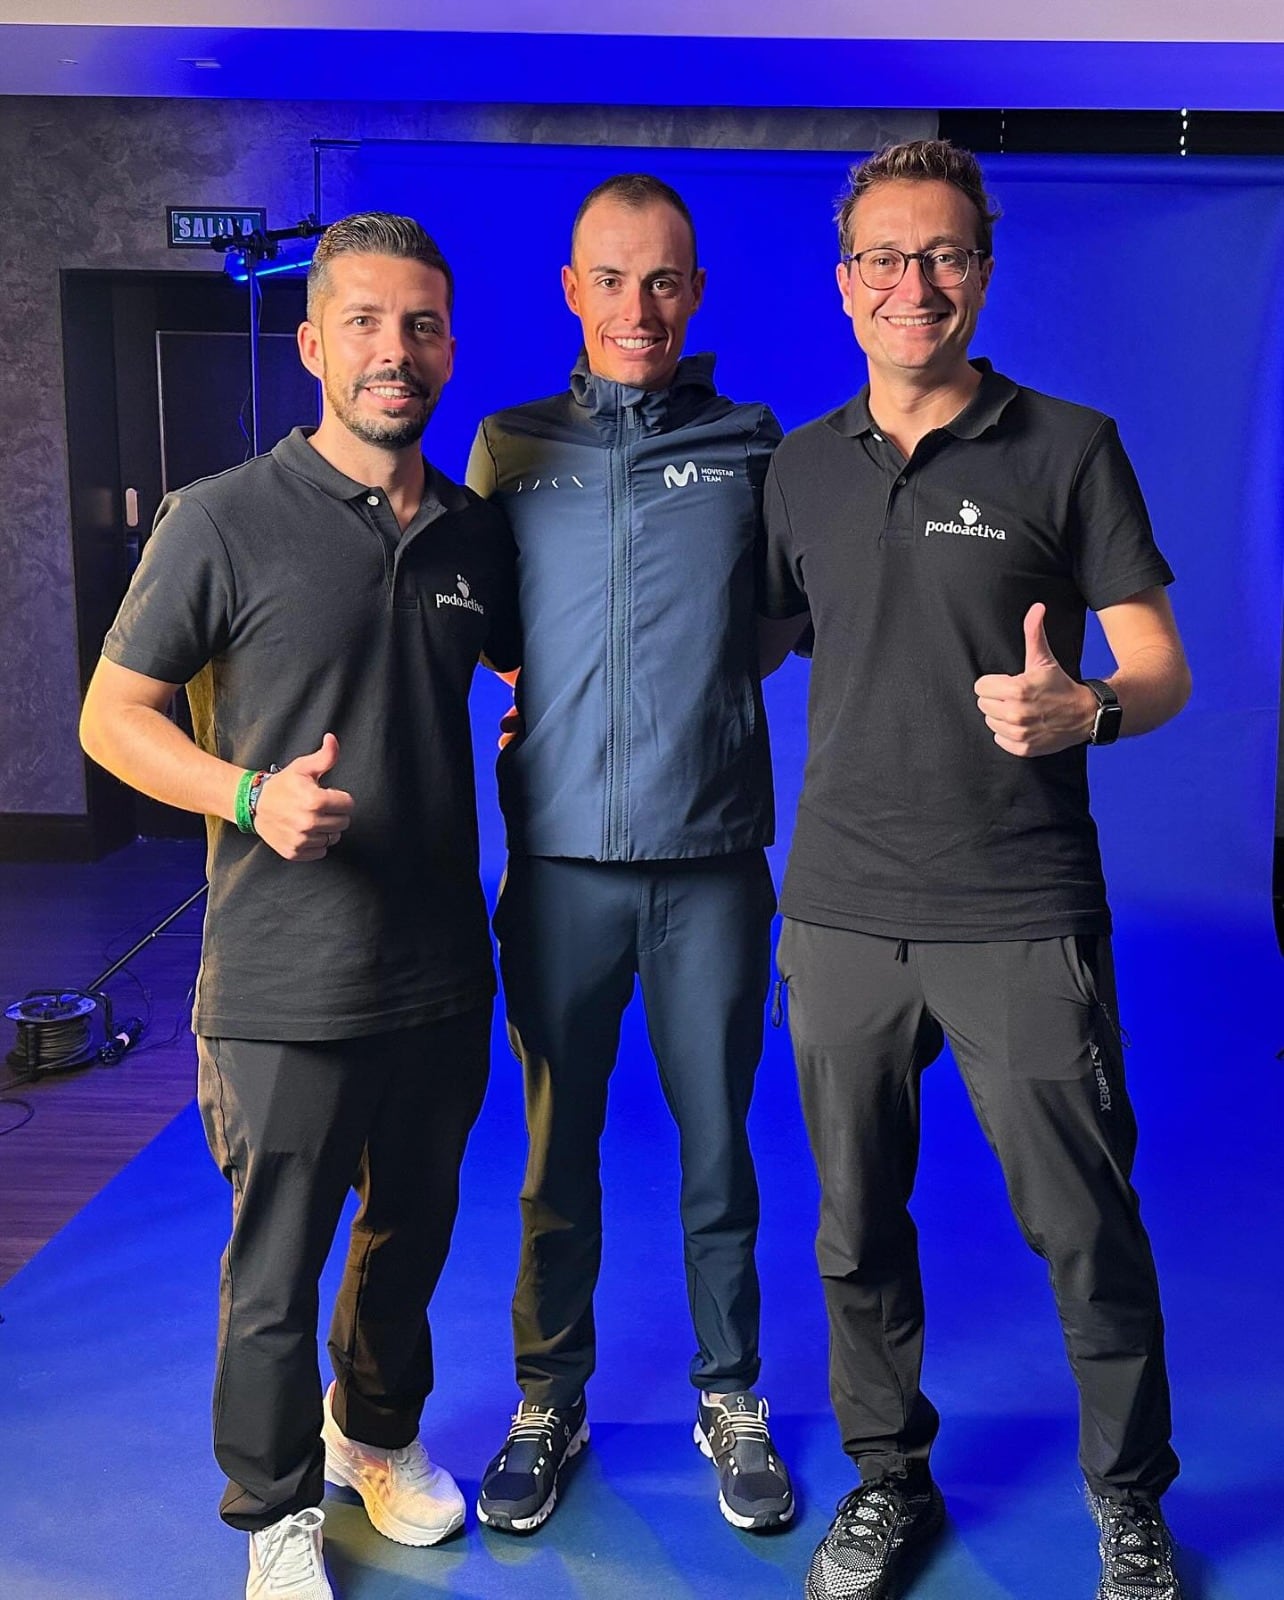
x=293 y=1126
x=573 y=935
x=1033 y=1028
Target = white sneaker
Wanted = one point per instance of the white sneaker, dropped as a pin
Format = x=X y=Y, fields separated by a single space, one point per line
x=285 y=1560
x=405 y=1496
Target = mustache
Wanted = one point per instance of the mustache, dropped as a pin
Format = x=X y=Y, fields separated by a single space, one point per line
x=393 y=375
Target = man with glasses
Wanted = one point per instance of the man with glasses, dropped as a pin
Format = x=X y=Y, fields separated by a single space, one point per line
x=944 y=533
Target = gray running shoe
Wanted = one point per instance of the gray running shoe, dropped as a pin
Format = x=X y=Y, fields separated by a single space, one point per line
x=1136 y=1549
x=874 y=1530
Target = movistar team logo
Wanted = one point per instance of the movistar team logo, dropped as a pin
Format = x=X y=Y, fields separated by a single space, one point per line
x=679 y=477
x=968 y=524
x=463 y=598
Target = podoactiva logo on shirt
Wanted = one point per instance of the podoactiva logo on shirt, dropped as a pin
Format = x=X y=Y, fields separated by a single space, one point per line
x=969 y=524
x=463 y=598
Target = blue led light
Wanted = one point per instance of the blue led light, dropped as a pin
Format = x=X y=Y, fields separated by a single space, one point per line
x=292 y=259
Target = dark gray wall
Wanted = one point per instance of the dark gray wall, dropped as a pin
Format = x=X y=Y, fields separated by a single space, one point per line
x=85 y=183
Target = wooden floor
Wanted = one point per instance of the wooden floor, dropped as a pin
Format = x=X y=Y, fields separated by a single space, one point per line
x=65 y=1135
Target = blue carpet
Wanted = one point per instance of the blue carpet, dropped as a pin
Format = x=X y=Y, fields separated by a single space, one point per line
x=107 y=1487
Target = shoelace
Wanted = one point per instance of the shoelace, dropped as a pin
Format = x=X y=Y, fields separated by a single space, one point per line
x=871 y=1512
x=531 y=1425
x=286 y=1552
x=739 y=1425
x=411 y=1463
x=1135 y=1538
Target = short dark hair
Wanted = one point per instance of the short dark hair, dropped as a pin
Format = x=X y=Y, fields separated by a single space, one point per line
x=920 y=160
x=636 y=190
x=374 y=233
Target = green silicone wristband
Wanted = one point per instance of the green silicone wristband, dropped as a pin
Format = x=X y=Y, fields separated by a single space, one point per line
x=244 y=821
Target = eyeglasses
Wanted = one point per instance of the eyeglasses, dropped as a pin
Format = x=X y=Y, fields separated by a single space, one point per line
x=944 y=268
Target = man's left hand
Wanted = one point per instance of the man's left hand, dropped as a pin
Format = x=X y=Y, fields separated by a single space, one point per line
x=1042 y=709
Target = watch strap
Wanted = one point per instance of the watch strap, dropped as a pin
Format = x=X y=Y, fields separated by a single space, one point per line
x=1109 y=718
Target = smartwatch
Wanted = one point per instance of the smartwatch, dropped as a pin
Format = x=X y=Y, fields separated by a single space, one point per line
x=1109 y=718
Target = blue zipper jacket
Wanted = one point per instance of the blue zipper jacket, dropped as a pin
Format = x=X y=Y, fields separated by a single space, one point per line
x=638 y=521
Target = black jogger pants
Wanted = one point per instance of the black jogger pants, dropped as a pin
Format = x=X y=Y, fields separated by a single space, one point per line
x=293 y=1126
x=1033 y=1028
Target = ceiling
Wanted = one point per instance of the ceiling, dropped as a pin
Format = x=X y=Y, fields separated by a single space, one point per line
x=1177 y=20
x=1101 y=54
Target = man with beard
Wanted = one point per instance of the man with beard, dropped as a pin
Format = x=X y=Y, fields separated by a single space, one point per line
x=318 y=602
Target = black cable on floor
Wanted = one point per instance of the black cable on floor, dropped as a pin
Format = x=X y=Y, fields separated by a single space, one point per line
x=23 y=1105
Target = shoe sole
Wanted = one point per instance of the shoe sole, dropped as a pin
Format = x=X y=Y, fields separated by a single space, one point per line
x=502 y=1523
x=910 y=1551
x=759 y=1524
x=384 y=1521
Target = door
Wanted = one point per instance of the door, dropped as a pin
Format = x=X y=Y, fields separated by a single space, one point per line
x=157 y=373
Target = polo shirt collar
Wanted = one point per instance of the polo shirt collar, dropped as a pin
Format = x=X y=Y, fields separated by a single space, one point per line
x=296 y=455
x=983 y=411
x=986 y=406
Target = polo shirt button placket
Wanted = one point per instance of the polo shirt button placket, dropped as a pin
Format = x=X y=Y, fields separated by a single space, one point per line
x=892 y=519
x=390 y=564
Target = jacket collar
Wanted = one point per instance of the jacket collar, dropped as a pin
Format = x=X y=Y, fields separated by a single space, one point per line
x=604 y=399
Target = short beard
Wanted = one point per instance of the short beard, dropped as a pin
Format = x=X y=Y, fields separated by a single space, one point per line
x=391 y=433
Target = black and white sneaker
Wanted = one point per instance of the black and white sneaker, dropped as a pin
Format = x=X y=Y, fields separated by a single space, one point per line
x=875 y=1528
x=1136 y=1549
x=753 y=1483
x=519 y=1487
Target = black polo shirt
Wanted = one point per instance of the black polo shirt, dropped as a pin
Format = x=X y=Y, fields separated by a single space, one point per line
x=289 y=601
x=917 y=575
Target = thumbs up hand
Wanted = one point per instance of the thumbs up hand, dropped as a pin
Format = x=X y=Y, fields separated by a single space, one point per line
x=297 y=815
x=319 y=762
x=1041 y=709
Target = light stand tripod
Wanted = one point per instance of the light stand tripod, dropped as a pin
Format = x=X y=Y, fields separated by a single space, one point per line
x=246 y=255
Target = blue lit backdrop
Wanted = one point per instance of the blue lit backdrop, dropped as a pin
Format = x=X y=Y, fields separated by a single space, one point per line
x=1142 y=286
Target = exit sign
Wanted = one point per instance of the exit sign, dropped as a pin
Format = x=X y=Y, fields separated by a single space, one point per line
x=192 y=227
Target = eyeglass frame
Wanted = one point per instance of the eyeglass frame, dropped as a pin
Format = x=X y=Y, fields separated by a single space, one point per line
x=913 y=255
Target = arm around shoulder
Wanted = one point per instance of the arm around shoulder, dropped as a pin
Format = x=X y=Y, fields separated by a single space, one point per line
x=783 y=611
x=777 y=636
x=480 y=473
